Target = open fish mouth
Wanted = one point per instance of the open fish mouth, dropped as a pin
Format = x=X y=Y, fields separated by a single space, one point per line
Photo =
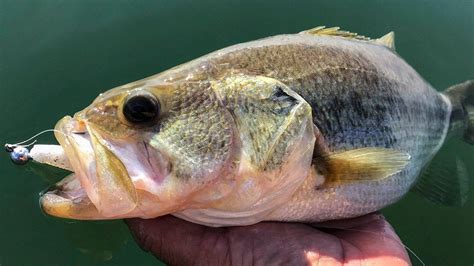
x=69 y=200
x=109 y=180
x=73 y=196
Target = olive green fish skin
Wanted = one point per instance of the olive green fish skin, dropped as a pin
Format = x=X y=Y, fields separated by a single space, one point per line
x=362 y=95
x=233 y=143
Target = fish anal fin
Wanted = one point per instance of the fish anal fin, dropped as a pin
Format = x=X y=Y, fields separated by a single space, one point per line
x=364 y=164
x=444 y=183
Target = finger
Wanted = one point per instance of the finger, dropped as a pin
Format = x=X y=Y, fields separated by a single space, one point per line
x=274 y=243
x=373 y=241
x=178 y=242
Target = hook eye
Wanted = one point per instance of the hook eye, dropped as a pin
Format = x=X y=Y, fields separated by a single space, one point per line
x=9 y=147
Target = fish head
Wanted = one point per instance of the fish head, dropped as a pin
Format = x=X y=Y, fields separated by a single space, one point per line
x=142 y=150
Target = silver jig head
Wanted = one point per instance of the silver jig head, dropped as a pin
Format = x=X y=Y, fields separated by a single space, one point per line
x=23 y=152
x=18 y=154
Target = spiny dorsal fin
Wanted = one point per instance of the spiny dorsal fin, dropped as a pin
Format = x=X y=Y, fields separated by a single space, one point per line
x=364 y=164
x=335 y=31
x=387 y=40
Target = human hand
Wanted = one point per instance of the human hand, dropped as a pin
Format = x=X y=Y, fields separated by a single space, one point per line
x=366 y=240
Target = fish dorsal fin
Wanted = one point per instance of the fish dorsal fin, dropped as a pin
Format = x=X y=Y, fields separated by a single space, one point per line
x=335 y=31
x=364 y=164
x=387 y=40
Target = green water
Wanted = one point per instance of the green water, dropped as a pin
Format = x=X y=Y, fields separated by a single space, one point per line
x=56 y=56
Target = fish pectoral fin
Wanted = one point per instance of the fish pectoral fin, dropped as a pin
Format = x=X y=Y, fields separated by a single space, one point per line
x=335 y=31
x=364 y=164
x=387 y=40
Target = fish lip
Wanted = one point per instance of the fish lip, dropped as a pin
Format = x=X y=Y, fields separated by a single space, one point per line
x=66 y=199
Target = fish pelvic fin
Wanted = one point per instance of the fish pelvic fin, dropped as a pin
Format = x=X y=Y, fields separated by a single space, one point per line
x=364 y=164
x=387 y=40
x=461 y=122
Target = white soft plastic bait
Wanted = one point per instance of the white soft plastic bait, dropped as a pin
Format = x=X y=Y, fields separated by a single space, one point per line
x=50 y=154
x=46 y=154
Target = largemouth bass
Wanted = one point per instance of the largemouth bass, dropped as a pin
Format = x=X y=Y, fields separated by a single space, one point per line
x=324 y=124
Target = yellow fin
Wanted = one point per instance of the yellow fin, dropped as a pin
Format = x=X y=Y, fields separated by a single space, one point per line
x=387 y=40
x=364 y=164
x=335 y=31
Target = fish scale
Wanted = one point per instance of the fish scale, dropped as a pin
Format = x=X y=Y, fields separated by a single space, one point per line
x=315 y=126
x=362 y=95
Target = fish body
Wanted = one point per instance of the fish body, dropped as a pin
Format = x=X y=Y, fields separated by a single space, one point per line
x=309 y=127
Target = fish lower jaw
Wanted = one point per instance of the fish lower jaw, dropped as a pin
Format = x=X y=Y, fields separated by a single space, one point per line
x=71 y=197
x=71 y=187
x=68 y=199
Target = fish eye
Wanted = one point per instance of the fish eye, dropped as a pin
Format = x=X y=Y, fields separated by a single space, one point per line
x=141 y=108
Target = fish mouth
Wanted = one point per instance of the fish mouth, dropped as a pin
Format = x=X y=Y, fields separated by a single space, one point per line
x=72 y=197
x=81 y=195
